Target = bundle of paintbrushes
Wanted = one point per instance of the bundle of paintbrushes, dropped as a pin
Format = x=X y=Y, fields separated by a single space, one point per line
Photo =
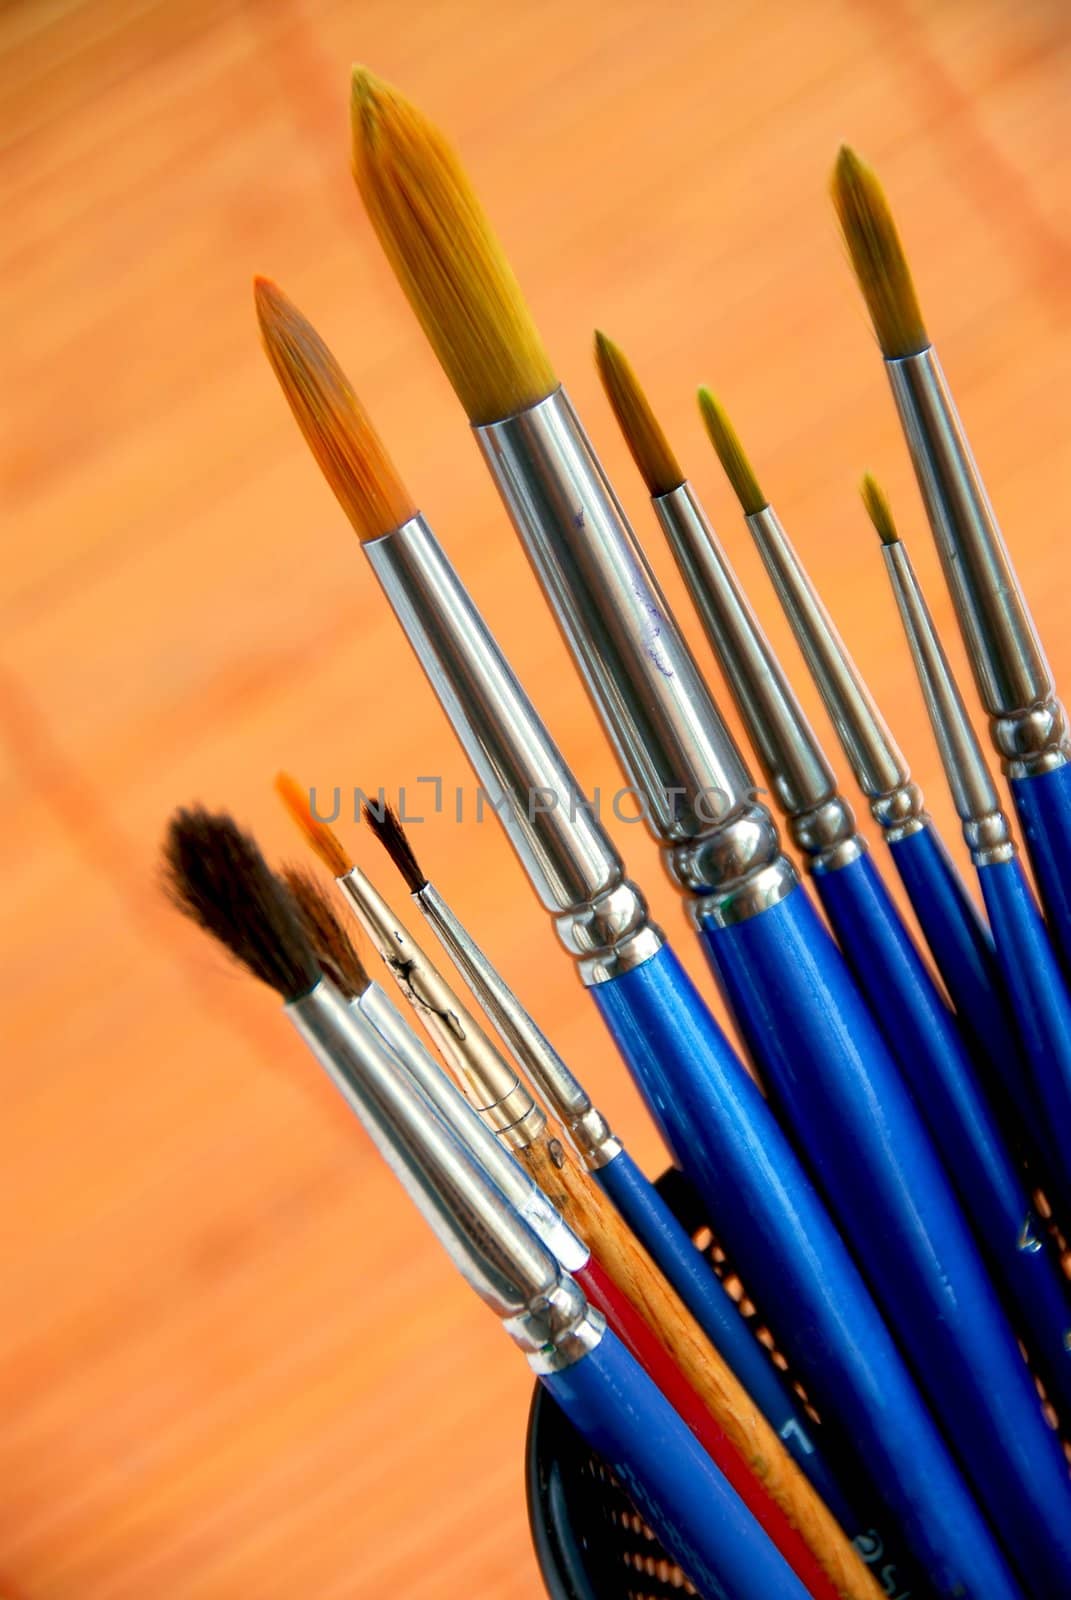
x=894 y=1202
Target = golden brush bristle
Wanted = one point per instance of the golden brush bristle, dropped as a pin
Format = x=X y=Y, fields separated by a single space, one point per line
x=319 y=835
x=445 y=255
x=738 y=469
x=879 y=510
x=337 y=430
x=650 y=448
x=878 y=257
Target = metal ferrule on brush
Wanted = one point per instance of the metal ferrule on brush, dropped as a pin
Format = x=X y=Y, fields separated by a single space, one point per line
x=515 y=1275
x=1028 y=722
x=696 y=794
x=601 y=917
x=819 y=819
x=985 y=826
x=375 y=1009
x=489 y=1081
x=569 y=1101
x=876 y=761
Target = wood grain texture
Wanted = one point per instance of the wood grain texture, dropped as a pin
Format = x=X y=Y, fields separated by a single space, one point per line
x=593 y=1216
x=231 y=1363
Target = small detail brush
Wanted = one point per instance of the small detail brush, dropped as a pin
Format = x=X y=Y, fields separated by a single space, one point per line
x=892 y=975
x=1031 y=971
x=694 y=1378
x=635 y=1197
x=218 y=877
x=1027 y=722
x=959 y=940
x=720 y=1128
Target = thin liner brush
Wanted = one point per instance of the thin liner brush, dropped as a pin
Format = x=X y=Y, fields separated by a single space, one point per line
x=659 y=1331
x=958 y=938
x=757 y=1195
x=831 y=1071
x=218 y=877
x=903 y=996
x=1032 y=973
x=1027 y=722
x=887 y=1184
x=635 y=1197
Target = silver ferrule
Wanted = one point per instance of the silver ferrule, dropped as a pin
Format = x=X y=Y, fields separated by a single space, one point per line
x=567 y=1099
x=1028 y=723
x=877 y=763
x=693 y=788
x=985 y=826
x=490 y=1082
x=497 y=1253
x=376 y=1009
x=801 y=780
x=601 y=917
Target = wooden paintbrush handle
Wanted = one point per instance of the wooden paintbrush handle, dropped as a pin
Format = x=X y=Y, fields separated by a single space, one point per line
x=591 y=1215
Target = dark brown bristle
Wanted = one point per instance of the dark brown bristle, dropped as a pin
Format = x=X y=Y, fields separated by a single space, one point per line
x=215 y=874
x=879 y=510
x=730 y=452
x=446 y=256
x=650 y=448
x=326 y=931
x=386 y=825
x=878 y=257
x=347 y=448
x=326 y=843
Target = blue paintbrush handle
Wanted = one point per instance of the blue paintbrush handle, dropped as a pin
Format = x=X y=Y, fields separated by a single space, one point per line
x=1043 y=805
x=962 y=947
x=673 y=1483
x=937 y=1067
x=761 y=1203
x=1039 y=996
x=838 y=1088
x=716 y=1312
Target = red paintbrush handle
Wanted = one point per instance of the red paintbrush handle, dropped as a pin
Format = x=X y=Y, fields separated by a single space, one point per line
x=634 y=1332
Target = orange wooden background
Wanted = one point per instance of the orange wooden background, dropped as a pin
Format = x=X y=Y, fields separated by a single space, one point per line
x=231 y=1363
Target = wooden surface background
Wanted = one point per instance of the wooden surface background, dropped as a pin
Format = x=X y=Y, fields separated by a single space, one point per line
x=231 y=1363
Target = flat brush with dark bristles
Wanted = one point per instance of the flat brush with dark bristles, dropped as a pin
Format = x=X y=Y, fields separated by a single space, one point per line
x=924 y=1036
x=1027 y=722
x=958 y=938
x=217 y=876
x=1029 y=967
x=801 y=1275
x=635 y=1197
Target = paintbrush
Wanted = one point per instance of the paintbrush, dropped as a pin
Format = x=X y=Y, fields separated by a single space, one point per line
x=902 y=994
x=636 y=1198
x=830 y=1070
x=1031 y=971
x=719 y=1126
x=958 y=938
x=660 y=1332
x=1028 y=724
x=218 y=877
